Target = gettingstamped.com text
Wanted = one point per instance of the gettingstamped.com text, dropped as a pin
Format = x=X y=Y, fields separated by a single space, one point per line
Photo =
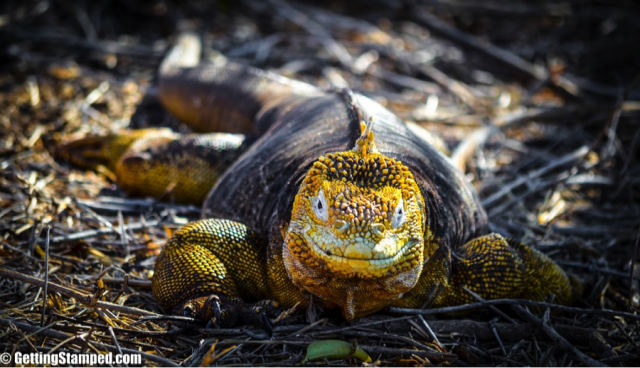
x=67 y=358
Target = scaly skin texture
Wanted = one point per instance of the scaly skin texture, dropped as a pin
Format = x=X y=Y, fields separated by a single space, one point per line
x=151 y=162
x=362 y=230
x=493 y=267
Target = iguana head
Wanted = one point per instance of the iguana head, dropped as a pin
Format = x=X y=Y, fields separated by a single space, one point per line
x=355 y=239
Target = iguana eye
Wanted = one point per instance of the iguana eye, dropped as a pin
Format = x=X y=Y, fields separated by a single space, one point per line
x=320 y=208
x=398 y=215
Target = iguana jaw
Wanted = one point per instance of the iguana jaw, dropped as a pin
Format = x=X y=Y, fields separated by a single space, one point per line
x=357 y=286
x=375 y=266
x=356 y=297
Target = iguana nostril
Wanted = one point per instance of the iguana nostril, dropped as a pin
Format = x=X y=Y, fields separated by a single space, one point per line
x=340 y=225
x=377 y=229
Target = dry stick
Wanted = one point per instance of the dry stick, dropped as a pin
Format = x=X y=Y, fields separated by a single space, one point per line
x=338 y=330
x=309 y=327
x=239 y=331
x=140 y=333
x=143 y=52
x=26 y=338
x=115 y=341
x=615 y=114
x=493 y=308
x=626 y=335
x=426 y=354
x=388 y=336
x=535 y=186
x=404 y=80
x=314 y=29
x=597 y=269
x=464 y=151
x=455 y=87
x=600 y=346
x=537 y=113
x=430 y=331
x=507 y=331
x=34 y=237
x=46 y=277
x=63 y=336
x=19 y=251
x=419 y=328
x=230 y=353
x=508 y=188
x=163 y=317
x=91 y=233
x=530 y=303
x=123 y=235
x=556 y=337
x=434 y=24
x=613 y=120
x=63 y=343
x=345 y=58
x=367 y=348
x=496 y=310
x=83 y=298
x=114 y=204
x=345 y=23
x=632 y=270
x=86 y=208
x=495 y=333
x=459 y=89
x=265 y=342
x=130 y=281
x=633 y=149
x=444 y=327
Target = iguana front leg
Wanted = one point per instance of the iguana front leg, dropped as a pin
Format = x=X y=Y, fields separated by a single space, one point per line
x=214 y=268
x=493 y=267
x=154 y=162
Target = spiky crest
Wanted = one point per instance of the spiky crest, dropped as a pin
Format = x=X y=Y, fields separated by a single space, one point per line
x=366 y=145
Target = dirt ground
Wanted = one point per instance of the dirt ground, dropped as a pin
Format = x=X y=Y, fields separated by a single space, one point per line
x=538 y=100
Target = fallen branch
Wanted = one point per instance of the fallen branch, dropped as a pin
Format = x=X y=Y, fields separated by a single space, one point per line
x=529 y=303
x=85 y=299
x=435 y=25
x=508 y=188
x=91 y=233
x=368 y=348
x=556 y=337
x=314 y=29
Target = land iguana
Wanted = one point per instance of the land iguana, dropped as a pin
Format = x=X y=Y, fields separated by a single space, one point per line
x=309 y=193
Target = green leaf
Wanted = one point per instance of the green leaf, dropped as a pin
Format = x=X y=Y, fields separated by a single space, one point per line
x=334 y=349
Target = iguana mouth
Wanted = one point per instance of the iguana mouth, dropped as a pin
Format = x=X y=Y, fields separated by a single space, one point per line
x=380 y=261
x=362 y=265
x=357 y=286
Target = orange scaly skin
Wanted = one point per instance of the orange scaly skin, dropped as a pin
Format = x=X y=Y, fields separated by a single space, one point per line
x=359 y=233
